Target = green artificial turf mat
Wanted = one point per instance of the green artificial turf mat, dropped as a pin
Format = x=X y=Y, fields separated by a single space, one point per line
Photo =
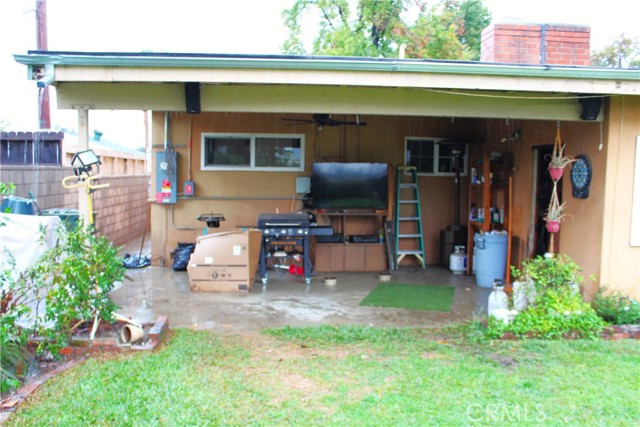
x=412 y=297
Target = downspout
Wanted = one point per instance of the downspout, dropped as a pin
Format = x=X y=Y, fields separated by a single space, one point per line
x=543 y=44
x=47 y=79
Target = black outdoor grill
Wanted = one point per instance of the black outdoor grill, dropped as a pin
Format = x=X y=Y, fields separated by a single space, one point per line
x=288 y=229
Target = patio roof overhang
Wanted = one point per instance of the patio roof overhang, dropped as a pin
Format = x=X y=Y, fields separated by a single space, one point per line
x=287 y=84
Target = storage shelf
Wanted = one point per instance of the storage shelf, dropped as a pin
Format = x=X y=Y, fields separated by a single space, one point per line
x=484 y=196
x=349 y=256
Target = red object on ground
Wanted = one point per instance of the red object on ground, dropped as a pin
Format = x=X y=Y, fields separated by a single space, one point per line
x=294 y=269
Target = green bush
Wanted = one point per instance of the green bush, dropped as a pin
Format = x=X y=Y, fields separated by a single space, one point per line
x=553 y=272
x=616 y=308
x=13 y=339
x=558 y=310
x=75 y=279
x=551 y=316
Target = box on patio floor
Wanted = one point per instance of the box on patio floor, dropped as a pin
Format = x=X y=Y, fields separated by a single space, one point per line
x=225 y=262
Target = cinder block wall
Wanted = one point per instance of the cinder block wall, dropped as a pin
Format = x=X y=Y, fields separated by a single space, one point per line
x=121 y=210
x=536 y=44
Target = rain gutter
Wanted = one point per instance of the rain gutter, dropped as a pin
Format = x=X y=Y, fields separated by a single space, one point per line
x=316 y=63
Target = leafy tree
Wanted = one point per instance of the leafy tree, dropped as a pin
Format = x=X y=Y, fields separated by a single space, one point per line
x=449 y=30
x=623 y=52
x=368 y=34
x=473 y=17
x=435 y=35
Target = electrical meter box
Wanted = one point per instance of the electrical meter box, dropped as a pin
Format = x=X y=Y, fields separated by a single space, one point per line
x=166 y=163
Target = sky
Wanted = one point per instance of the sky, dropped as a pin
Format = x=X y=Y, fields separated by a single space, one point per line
x=210 y=26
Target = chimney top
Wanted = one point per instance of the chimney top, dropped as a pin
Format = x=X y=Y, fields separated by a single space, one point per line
x=529 y=43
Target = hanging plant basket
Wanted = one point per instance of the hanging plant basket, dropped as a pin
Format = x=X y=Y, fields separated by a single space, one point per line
x=553 y=226
x=558 y=160
x=554 y=214
x=556 y=172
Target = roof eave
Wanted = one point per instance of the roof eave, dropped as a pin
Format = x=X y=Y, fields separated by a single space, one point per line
x=283 y=62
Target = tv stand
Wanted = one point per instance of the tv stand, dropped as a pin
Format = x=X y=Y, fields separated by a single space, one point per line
x=348 y=256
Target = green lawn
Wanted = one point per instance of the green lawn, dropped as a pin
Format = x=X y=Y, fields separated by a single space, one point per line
x=348 y=376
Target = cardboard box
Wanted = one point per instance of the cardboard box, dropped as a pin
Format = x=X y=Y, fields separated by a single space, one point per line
x=219 y=279
x=225 y=262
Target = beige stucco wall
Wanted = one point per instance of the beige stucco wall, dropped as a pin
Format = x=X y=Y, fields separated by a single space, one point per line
x=620 y=263
x=580 y=235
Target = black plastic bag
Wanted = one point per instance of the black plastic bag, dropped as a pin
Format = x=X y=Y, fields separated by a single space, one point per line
x=181 y=256
x=135 y=261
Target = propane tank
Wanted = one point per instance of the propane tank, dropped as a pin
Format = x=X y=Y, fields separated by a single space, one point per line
x=497 y=299
x=473 y=268
x=458 y=260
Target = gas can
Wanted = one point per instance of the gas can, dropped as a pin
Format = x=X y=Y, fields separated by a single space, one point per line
x=458 y=260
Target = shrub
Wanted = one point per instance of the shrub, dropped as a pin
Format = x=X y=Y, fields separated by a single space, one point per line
x=616 y=308
x=553 y=315
x=553 y=272
x=558 y=309
x=76 y=278
x=13 y=339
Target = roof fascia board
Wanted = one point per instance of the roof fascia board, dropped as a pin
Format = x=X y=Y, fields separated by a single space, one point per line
x=344 y=78
x=329 y=64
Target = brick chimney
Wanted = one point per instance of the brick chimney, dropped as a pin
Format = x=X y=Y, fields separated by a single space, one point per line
x=553 y=44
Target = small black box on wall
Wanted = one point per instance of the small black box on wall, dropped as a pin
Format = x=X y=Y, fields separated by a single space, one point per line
x=590 y=107
x=192 y=97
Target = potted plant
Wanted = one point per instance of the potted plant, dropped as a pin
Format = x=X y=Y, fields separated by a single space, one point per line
x=554 y=214
x=558 y=160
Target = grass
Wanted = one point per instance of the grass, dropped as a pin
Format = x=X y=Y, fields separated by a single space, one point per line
x=355 y=376
x=412 y=297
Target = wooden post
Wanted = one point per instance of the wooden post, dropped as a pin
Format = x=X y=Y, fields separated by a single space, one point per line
x=83 y=144
x=509 y=236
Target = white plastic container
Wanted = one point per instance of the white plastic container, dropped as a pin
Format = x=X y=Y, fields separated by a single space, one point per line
x=458 y=260
x=498 y=299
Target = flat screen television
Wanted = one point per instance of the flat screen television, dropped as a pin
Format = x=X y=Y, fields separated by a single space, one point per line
x=350 y=185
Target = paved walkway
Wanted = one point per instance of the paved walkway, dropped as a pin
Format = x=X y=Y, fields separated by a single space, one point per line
x=154 y=291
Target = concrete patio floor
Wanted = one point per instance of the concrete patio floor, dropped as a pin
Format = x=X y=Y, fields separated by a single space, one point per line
x=286 y=300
